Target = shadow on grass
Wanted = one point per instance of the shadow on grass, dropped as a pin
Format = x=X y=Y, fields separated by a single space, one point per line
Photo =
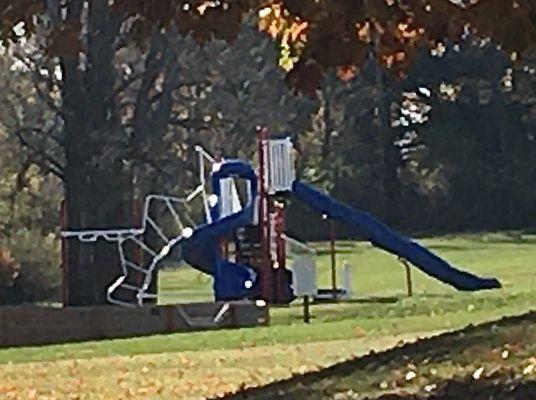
x=455 y=247
x=444 y=347
x=373 y=300
x=326 y=252
x=497 y=386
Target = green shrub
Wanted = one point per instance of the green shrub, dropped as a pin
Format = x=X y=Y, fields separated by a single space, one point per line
x=30 y=272
x=9 y=273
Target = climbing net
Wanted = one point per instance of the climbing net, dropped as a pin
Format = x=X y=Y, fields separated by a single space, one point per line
x=165 y=222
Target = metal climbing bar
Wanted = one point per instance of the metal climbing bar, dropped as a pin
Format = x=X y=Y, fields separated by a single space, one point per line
x=137 y=237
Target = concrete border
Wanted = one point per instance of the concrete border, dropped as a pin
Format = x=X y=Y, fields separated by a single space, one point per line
x=34 y=325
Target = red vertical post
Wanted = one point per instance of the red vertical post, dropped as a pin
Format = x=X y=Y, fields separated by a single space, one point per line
x=64 y=258
x=266 y=267
x=281 y=295
x=280 y=229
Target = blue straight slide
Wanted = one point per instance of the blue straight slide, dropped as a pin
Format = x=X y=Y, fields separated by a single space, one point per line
x=381 y=236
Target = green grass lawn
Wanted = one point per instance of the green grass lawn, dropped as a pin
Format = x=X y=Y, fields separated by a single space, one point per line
x=380 y=307
x=200 y=364
x=379 y=274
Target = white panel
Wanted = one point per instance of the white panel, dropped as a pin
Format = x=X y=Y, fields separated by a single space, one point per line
x=281 y=169
x=229 y=200
x=304 y=277
x=347 y=278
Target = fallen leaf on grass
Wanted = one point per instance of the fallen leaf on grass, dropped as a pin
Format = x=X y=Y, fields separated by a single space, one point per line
x=478 y=373
x=359 y=332
x=410 y=375
x=430 y=388
x=528 y=369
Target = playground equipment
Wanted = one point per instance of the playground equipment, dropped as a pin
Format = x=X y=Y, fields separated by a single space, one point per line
x=243 y=246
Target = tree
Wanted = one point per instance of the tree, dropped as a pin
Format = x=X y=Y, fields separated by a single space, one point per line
x=477 y=142
x=82 y=87
x=232 y=89
x=29 y=197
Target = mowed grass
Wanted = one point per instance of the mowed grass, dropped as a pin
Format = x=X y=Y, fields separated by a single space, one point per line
x=378 y=274
x=380 y=305
x=379 y=315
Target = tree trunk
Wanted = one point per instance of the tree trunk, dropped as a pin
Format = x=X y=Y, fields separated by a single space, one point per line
x=390 y=158
x=98 y=189
x=392 y=162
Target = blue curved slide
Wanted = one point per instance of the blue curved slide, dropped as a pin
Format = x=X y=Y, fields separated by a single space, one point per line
x=381 y=236
x=202 y=249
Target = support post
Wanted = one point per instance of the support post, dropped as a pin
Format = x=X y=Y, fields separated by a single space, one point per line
x=306 y=310
x=266 y=267
x=347 y=279
x=333 y=252
x=281 y=294
x=409 y=282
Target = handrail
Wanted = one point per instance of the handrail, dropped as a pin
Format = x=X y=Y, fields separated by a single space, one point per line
x=297 y=243
x=203 y=154
x=204 y=322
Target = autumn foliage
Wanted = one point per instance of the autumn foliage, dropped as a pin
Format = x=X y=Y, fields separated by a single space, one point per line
x=316 y=36
x=342 y=34
x=9 y=270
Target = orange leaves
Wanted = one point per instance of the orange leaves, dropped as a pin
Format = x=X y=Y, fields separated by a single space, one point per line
x=346 y=73
x=405 y=31
x=298 y=31
x=314 y=35
x=340 y=33
x=290 y=31
x=279 y=24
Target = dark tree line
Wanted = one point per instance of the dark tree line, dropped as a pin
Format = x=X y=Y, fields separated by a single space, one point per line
x=462 y=160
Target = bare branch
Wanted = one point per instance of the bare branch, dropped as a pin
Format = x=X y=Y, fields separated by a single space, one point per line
x=31 y=64
x=45 y=133
x=43 y=159
x=124 y=85
x=196 y=123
